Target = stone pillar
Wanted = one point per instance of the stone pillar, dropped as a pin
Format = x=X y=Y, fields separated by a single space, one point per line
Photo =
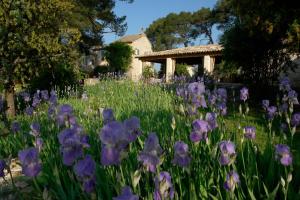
x=170 y=69
x=207 y=64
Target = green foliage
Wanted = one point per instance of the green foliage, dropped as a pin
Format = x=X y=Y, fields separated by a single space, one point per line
x=261 y=39
x=181 y=70
x=226 y=73
x=61 y=75
x=119 y=56
x=180 y=29
x=148 y=72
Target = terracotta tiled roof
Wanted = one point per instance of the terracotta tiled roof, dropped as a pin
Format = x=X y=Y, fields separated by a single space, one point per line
x=211 y=48
x=131 y=38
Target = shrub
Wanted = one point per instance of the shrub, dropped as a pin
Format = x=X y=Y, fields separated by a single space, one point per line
x=148 y=72
x=119 y=56
x=181 y=70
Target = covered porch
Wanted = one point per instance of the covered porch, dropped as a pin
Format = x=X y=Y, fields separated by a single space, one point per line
x=205 y=56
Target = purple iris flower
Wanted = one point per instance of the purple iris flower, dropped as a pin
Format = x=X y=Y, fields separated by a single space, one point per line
x=45 y=95
x=271 y=112
x=200 y=129
x=283 y=154
x=228 y=153
x=163 y=186
x=2 y=167
x=150 y=156
x=199 y=101
x=222 y=94
x=115 y=139
x=295 y=119
x=196 y=88
x=181 y=154
x=232 y=180
x=26 y=96
x=192 y=110
x=284 y=84
x=52 y=111
x=108 y=115
x=292 y=97
x=212 y=98
x=85 y=170
x=36 y=100
x=249 y=132
x=53 y=98
x=222 y=108
x=133 y=128
x=211 y=118
x=39 y=143
x=71 y=145
x=29 y=110
x=35 y=129
x=126 y=195
x=15 y=127
x=244 y=94
x=65 y=115
x=265 y=104
x=31 y=165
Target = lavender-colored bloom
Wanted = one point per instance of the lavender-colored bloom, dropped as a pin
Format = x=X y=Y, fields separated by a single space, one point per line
x=271 y=112
x=196 y=88
x=295 y=119
x=15 y=127
x=35 y=129
x=249 y=132
x=71 y=145
x=244 y=94
x=227 y=152
x=52 y=111
x=181 y=154
x=65 y=115
x=36 y=100
x=232 y=180
x=53 y=98
x=2 y=167
x=108 y=115
x=85 y=168
x=199 y=101
x=45 y=95
x=192 y=110
x=200 y=129
x=284 y=84
x=222 y=94
x=29 y=110
x=293 y=97
x=126 y=195
x=222 y=108
x=89 y=184
x=115 y=138
x=150 y=156
x=265 y=104
x=283 y=154
x=163 y=186
x=212 y=98
x=133 y=128
x=39 y=143
x=26 y=96
x=211 y=118
x=31 y=165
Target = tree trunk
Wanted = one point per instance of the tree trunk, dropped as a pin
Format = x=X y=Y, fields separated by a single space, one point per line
x=10 y=100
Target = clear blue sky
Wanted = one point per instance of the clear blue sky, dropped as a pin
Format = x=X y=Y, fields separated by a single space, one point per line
x=141 y=13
